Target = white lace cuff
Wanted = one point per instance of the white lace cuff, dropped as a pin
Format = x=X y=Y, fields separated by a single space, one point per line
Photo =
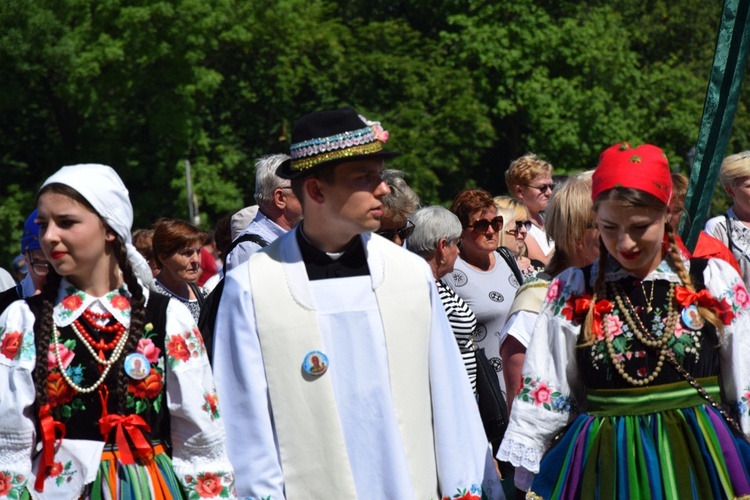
x=520 y=455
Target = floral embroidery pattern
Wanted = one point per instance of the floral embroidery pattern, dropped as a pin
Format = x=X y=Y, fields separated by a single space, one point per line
x=17 y=345
x=211 y=404
x=541 y=394
x=209 y=485
x=11 y=484
x=684 y=341
x=62 y=473
x=182 y=347
x=473 y=493
x=743 y=405
x=62 y=398
x=147 y=392
x=71 y=303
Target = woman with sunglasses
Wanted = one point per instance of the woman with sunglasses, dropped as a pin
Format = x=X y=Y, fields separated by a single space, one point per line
x=513 y=236
x=398 y=206
x=529 y=180
x=482 y=278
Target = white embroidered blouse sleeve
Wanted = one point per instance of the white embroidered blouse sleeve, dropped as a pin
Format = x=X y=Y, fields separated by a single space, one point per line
x=17 y=394
x=241 y=379
x=464 y=461
x=726 y=285
x=197 y=424
x=550 y=378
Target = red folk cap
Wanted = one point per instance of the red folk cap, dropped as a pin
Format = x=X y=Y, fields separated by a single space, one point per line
x=644 y=167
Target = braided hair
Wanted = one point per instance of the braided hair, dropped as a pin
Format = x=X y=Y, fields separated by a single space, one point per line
x=43 y=328
x=137 y=319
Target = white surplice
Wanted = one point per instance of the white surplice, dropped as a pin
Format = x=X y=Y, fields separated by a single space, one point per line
x=353 y=338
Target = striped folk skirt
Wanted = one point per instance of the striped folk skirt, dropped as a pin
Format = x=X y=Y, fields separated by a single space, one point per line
x=143 y=480
x=659 y=442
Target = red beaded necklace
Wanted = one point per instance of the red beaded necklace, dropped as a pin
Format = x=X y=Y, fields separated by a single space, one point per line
x=100 y=345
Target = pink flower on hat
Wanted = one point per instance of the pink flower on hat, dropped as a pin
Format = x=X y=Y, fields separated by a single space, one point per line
x=377 y=129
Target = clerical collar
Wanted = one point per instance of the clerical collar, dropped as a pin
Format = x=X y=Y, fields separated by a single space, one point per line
x=321 y=266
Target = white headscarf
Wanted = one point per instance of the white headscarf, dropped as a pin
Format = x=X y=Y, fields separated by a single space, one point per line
x=104 y=190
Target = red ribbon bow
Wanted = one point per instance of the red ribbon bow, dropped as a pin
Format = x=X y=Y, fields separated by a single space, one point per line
x=685 y=297
x=131 y=426
x=49 y=428
x=581 y=306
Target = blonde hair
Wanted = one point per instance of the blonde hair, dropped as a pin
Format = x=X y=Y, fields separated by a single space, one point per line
x=569 y=214
x=511 y=210
x=525 y=169
x=733 y=168
x=627 y=198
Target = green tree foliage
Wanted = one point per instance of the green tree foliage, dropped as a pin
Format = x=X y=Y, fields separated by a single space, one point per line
x=464 y=87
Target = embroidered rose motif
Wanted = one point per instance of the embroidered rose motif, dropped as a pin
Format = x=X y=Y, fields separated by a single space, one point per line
x=66 y=356
x=614 y=327
x=149 y=349
x=72 y=302
x=209 y=485
x=177 y=348
x=6 y=483
x=149 y=387
x=211 y=405
x=553 y=292
x=56 y=469
x=740 y=295
x=58 y=391
x=11 y=344
x=541 y=393
x=120 y=302
x=679 y=329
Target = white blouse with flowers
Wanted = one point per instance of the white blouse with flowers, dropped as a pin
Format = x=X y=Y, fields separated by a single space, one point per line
x=558 y=369
x=179 y=380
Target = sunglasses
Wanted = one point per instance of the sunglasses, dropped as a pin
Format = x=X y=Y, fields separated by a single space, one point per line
x=543 y=188
x=480 y=226
x=519 y=225
x=403 y=233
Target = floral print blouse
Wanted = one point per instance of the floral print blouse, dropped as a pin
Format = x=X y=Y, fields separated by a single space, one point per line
x=176 y=398
x=559 y=367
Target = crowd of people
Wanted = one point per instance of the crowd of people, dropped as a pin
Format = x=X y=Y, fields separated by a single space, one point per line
x=341 y=340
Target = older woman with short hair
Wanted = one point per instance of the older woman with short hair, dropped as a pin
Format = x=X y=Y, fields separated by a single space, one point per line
x=437 y=233
x=398 y=206
x=177 y=253
x=529 y=180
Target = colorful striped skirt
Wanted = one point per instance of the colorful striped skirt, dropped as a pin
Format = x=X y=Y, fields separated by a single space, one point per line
x=144 y=480
x=659 y=442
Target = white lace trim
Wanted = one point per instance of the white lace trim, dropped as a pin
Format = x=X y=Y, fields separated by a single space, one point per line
x=520 y=454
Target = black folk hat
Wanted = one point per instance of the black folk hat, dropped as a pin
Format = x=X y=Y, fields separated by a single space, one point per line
x=325 y=137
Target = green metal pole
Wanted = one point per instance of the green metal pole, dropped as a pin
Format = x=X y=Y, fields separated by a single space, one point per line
x=722 y=95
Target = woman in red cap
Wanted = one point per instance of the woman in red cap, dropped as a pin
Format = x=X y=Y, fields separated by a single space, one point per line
x=636 y=360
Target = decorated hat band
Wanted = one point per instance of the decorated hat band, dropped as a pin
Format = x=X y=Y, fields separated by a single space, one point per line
x=313 y=152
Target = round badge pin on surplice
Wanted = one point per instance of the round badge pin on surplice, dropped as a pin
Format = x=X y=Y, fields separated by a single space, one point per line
x=315 y=363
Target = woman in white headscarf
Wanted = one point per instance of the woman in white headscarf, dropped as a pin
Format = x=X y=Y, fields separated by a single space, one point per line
x=109 y=381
